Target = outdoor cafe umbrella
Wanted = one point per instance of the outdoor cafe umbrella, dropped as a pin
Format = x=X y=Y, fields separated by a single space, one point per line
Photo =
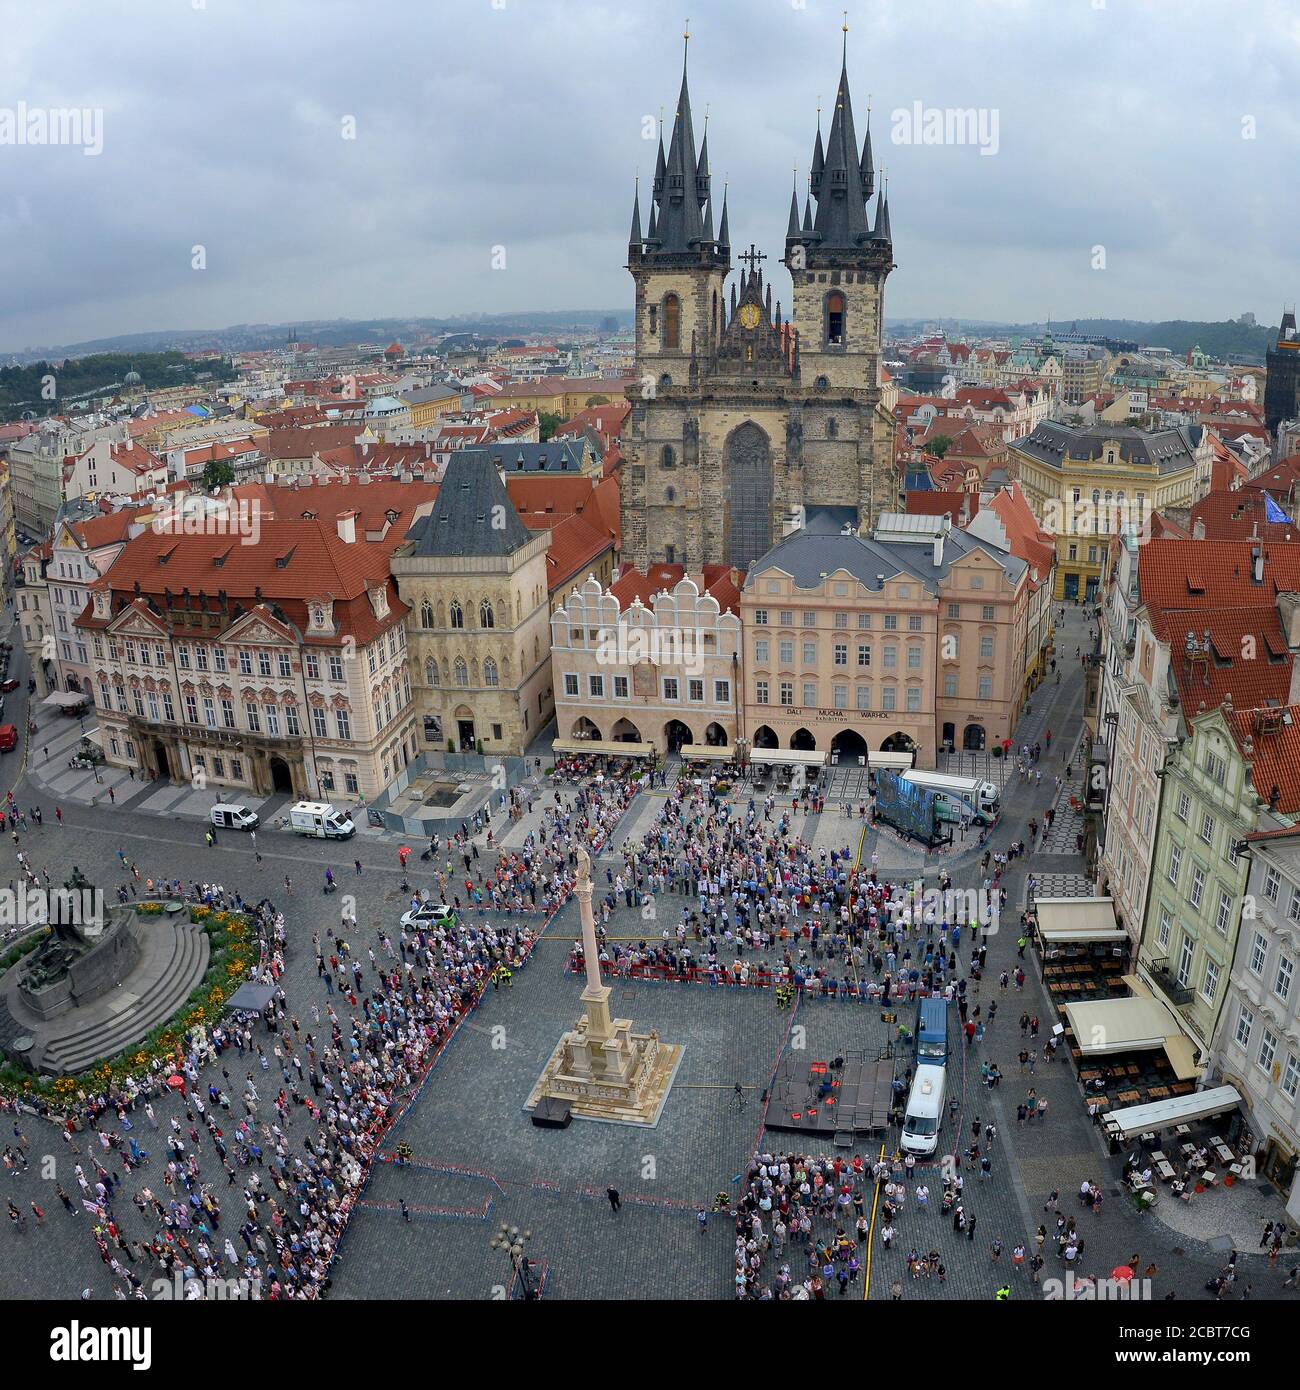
x=176 y=1082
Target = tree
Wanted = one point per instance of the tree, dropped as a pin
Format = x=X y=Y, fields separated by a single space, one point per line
x=547 y=424
x=939 y=445
x=217 y=473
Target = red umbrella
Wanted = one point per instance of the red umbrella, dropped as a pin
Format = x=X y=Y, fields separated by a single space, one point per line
x=1121 y=1272
x=176 y=1082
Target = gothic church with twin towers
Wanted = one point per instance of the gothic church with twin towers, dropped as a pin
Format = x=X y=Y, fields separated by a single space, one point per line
x=743 y=415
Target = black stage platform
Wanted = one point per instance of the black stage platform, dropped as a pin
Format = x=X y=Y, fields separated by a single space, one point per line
x=817 y=1097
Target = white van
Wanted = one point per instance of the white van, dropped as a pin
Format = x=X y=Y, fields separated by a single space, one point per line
x=924 y=1111
x=322 y=820
x=230 y=816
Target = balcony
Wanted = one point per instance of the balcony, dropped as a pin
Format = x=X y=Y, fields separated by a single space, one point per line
x=1167 y=982
x=236 y=740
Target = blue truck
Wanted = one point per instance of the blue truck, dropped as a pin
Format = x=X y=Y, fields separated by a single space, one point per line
x=932 y=1031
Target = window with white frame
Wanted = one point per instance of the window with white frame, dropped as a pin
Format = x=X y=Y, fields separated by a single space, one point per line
x=620 y=687
x=1223 y=913
x=1267 y=1051
x=670 y=688
x=1175 y=863
x=1245 y=1022
x=596 y=687
x=1272 y=883
x=571 y=683
x=1210 y=981
x=1185 y=961
x=1207 y=828
x=1258 y=953
x=1183 y=806
x=760 y=692
x=721 y=692
x=1282 y=980
x=1291 y=1076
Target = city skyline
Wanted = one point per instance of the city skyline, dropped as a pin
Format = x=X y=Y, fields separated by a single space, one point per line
x=491 y=156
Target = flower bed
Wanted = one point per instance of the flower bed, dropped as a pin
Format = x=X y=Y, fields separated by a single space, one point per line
x=232 y=953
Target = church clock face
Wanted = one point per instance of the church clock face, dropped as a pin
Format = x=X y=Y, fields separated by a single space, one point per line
x=749 y=316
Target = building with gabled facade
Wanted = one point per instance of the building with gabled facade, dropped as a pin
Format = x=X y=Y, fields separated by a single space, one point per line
x=279 y=666
x=475 y=579
x=1234 y=773
x=1257 y=1047
x=653 y=660
x=740 y=417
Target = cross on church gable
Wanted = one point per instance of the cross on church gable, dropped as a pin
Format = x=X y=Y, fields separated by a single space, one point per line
x=754 y=257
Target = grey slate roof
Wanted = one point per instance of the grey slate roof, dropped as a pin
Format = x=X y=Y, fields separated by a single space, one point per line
x=807 y=555
x=565 y=455
x=1167 y=451
x=473 y=515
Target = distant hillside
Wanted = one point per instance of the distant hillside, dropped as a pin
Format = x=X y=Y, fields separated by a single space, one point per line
x=1178 y=335
x=23 y=389
x=252 y=337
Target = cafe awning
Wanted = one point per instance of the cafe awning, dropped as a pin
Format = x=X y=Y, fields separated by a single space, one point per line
x=1121 y=1025
x=1181 y=1052
x=1078 y=920
x=65 y=699
x=1177 y=1110
x=611 y=750
x=807 y=757
x=706 y=752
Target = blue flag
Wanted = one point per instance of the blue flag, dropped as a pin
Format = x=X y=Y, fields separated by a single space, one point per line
x=1272 y=512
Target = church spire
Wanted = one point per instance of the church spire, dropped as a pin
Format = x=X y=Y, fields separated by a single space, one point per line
x=882 y=231
x=724 y=230
x=867 y=167
x=634 y=240
x=682 y=188
x=792 y=227
x=841 y=199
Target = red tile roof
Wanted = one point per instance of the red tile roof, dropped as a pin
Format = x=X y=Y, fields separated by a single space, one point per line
x=718 y=580
x=1270 y=742
x=956 y=504
x=1237 y=516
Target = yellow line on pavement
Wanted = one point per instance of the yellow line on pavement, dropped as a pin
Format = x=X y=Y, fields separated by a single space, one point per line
x=871 y=1239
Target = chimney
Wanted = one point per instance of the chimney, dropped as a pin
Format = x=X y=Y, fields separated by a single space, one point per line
x=938 y=550
x=1257 y=564
x=347 y=527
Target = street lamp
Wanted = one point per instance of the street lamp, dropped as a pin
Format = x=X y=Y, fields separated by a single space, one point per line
x=511 y=1239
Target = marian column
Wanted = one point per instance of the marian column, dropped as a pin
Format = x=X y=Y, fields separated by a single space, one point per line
x=596 y=996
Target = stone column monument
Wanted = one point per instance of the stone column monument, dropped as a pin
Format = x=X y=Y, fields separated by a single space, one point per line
x=601 y=1067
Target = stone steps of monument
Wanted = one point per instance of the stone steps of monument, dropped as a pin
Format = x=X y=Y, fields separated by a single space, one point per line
x=10 y=1027
x=107 y=1034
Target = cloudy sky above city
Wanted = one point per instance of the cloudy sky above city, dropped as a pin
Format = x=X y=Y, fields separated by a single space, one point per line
x=1167 y=134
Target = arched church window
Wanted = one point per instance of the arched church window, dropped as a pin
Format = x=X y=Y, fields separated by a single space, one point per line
x=822 y=383
x=462 y=671
x=670 y=494
x=426 y=614
x=431 y=672
x=667 y=458
x=486 y=617
x=490 y=672
x=457 y=614
x=835 y=315
x=672 y=322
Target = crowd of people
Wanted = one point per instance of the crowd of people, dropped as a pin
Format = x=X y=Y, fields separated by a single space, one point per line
x=287 y=1107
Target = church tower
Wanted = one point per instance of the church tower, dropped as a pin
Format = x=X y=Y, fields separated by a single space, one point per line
x=838 y=262
x=680 y=267
x=742 y=419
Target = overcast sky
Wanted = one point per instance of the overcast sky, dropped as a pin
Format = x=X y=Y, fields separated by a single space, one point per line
x=518 y=124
